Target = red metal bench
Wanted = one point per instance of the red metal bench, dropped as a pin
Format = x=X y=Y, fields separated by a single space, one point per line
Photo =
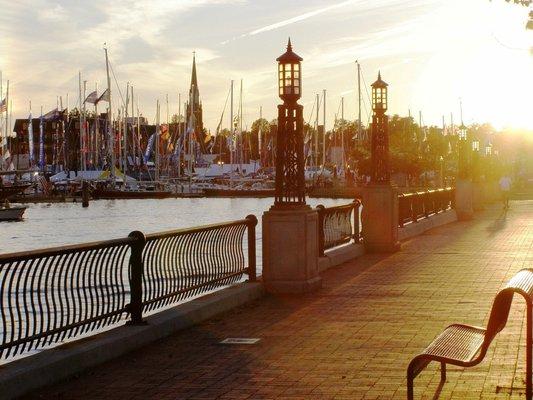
x=466 y=346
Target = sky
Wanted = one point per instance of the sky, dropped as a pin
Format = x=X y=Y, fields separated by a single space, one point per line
x=432 y=53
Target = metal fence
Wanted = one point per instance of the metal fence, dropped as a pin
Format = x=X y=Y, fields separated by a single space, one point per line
x=335 y=225
x=49 y=296
x=418 y=205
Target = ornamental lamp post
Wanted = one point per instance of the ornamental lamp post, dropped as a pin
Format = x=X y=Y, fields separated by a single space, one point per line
x=380 y=135
x=462 y=156
x=380 y=197
x=290 y=179
x=290 y=227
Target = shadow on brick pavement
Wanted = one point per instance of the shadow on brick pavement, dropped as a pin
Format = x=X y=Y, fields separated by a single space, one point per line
x=354 y=338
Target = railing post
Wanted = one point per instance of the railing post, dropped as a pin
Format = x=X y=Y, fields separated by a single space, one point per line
x=401 y=209
x=252 y=272
x=320 y=210
x=426 y=199
x=357 y=204
x=414 y=206
x=136 y=278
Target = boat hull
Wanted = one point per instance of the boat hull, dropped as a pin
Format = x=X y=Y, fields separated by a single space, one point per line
x=238 y=193
x=130 y=194
x=12 y=213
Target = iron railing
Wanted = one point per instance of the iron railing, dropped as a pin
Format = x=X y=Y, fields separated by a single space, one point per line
x=417 y=205
x=53 y=295
x=335 y=225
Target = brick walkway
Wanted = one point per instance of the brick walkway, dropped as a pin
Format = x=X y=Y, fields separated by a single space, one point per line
x=353 y=339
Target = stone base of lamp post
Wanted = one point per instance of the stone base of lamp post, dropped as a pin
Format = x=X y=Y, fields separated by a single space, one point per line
x=290 y=250
x=380 y=219
x=464 y=194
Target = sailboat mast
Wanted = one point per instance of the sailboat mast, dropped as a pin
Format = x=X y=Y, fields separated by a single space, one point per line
x=324 y=135
x=231 y=132
x=241 y=138
x=156 y=140
x=316 y=128
x=132 y=118
x=342 y=135
x=96 y=131
x=125 y=131
x=358 y=101
x=179 y=140
x=111 y=135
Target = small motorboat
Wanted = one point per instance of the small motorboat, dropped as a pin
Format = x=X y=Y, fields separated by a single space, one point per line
x=9 y=213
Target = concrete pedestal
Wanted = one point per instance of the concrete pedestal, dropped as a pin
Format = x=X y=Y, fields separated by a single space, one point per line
x=380 y=219
x=290 y=250
x=464 y=199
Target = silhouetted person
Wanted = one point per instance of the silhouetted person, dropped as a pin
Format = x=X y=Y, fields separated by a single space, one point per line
x=505 y=189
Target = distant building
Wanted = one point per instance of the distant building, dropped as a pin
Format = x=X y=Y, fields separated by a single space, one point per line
x=194 y=102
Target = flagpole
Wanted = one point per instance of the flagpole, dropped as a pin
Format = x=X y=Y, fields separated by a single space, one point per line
x=316 y=131
x=111 y=136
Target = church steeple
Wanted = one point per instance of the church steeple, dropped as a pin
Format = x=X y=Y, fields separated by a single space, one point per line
x=194 y=99
x=194 y=79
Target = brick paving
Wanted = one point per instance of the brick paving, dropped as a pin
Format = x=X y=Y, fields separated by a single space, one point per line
x=354 y=338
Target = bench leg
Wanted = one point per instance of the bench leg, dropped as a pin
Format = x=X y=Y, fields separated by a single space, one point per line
x=443 y=372
x=529 y=351
x=410 y=392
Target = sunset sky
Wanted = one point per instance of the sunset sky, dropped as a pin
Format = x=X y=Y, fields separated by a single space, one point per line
x=431 y=52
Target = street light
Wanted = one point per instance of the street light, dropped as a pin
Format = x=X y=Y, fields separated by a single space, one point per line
x=380 y=134
x=475 y=145
x=488 y=149
x=290 y=179
x=289 y=75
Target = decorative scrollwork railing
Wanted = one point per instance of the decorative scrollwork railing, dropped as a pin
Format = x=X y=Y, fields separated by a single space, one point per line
x=54 y=295
x=418 y=205
x=335 y=225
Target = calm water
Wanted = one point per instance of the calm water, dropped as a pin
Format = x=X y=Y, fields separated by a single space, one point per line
x=56 y=224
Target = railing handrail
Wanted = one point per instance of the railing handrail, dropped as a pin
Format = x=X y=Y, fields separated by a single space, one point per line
x=62 y=292
x=421 y=204
x=184 y=231
x=324 y=212
x=59 y=250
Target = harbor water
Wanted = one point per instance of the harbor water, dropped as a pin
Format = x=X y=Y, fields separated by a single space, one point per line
x=57 y=224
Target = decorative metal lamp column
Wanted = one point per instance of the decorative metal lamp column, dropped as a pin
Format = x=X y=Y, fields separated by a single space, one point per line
x=290 y=179
x=463 y=185
x=290 y=227
x=380 y=134
x=380 y=197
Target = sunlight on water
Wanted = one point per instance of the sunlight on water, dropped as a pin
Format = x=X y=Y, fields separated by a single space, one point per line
x=47 y=225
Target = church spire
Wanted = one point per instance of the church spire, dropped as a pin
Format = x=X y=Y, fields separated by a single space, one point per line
x=194 y=79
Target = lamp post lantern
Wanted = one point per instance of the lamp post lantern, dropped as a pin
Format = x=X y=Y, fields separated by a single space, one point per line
x=380 y=134
x=290 y=179
x=290 y=227
x=380 y=197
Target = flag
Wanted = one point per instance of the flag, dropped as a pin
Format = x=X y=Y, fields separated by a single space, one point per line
x=3 y=106
x=30 y=139
x=149 y=146
x=92 y=98
x=103 y=97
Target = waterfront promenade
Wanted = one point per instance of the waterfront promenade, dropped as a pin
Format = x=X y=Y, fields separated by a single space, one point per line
x=354 y=338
